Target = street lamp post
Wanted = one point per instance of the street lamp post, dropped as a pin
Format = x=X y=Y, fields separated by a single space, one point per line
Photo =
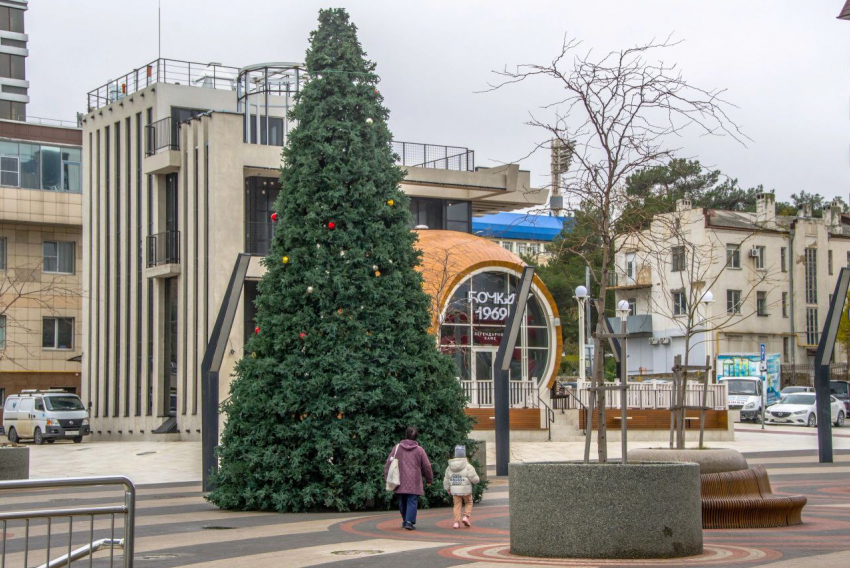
x=707 y=300
x=623 y=312
x=581 y=297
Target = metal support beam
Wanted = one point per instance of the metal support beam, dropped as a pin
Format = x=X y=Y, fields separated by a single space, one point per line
x=502 y=364
x=822 y=358
x=212 y=364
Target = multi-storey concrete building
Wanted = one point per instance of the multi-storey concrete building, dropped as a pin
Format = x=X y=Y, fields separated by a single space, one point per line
x=181 y=165
x=771 y=278
x=40 y=231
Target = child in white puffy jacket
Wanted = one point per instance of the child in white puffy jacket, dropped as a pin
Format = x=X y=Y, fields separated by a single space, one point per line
x=459 y=479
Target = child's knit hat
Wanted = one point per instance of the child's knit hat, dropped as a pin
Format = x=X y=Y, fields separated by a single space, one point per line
x=460 y=451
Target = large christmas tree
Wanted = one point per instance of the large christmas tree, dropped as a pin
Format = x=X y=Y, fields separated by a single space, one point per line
x=342 y=361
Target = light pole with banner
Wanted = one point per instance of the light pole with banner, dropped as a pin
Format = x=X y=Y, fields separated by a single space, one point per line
x=581 y=298
x=503 y=361
x=763 y=371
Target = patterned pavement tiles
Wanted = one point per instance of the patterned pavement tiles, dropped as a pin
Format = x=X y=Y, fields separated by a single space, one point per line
x=176 y=527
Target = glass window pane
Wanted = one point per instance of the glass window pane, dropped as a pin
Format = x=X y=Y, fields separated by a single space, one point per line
x=72 y=177
x=30 y=166
x=534 y=314
x=515 y=370
x=457 y=211
x=489 y=298
x=8 y=148
x=72 y=154
x=538 y=337
x=537 y=359
x=18 y=67
x=2 y=332
x=48 y=334
x=16 y=20
x=454 y=335
x=66 y=257
x=51 y=168
x=65 y=336
x=50 y=256
x=462 y=360
x=487 y=335
x=484 y=365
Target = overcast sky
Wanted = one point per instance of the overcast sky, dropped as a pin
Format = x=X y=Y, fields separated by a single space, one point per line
x=785 y=65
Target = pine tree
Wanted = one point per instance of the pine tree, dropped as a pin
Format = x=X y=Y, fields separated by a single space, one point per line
x=342 y=361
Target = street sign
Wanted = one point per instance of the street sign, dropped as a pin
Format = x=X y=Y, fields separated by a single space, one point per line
x=763 y=358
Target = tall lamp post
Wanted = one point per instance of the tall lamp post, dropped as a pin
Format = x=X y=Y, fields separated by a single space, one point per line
x=581 y=297
x=623 y=312
x=707 y=300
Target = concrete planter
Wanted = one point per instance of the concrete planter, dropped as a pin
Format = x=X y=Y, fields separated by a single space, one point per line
x=710 y=460
x=14 y=463
x=577 y=510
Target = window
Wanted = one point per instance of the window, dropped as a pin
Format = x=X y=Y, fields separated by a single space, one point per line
x=9 y=171
x=759 y=257
x=678 y=260
x=2 y=332
x=848 y=259
x=733 y=301
x=507 y=245
x=59 y=257
x=39 y=404
x=783 y=262
x=761 y=303
x=458 y=216
x=733 y=256
x=11 y=19
x=72 y=169
x=829 y=262
x=785 y=304
x=811 y=260
x=680 y=303
x=632 y=306
x=2 y=253
x=630 y=267
x=812 y=326
x=533 y=249
x=58 y=333
x=520 y=248
x=12 y=66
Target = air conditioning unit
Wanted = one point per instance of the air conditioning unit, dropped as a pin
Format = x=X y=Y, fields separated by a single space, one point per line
x=754 y=252
x=665 y=341
x=653 y=341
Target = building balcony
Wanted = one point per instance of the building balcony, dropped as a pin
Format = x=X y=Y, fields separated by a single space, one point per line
x=163 y=254
x=640 y=277
x=418 y=155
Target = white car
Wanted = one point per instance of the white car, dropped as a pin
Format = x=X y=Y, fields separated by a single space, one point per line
x=799 y=408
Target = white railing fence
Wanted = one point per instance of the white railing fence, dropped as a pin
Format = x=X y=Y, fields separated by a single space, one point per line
x=648 y=396
x=522 y=394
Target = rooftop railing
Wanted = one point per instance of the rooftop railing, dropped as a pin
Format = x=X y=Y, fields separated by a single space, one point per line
x=173 y=71
x=417 y=155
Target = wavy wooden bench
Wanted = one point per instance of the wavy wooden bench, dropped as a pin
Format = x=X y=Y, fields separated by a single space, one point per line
x=743 y=500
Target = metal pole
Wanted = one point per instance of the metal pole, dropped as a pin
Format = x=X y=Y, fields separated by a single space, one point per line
x=129 y=524
x=266 y=88
x=624 y=402
x=582 y=356
x=501 y=390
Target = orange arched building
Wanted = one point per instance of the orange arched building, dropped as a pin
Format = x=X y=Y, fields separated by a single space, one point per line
x=471 y=282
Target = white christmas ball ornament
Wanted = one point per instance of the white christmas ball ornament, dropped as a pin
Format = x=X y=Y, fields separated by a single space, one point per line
x=369 y=121
x=309 y=289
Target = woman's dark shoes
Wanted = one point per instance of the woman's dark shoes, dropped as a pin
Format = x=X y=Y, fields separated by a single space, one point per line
x=409 y=526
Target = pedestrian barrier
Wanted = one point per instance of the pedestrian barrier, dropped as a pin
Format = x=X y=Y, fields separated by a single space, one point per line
x=28 y=520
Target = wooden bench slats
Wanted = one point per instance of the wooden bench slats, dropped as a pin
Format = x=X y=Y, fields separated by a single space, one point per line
x=659 y=419
x=521 y=418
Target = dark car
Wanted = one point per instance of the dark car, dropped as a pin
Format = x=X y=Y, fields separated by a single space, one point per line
x=841 y=391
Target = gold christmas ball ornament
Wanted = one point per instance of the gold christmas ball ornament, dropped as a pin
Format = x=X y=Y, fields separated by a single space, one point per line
x=254 y=355
x=309 y=289
x=377 y=273
x=285 y=260
x=390 y=202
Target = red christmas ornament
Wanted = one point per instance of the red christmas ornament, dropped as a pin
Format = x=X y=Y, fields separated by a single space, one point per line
x=376 y=92
x=257 y=330
x=302 y=335
x=331 y=226
x=274 y=217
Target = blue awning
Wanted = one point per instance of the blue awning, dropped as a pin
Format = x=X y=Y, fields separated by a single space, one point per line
x=521 y=226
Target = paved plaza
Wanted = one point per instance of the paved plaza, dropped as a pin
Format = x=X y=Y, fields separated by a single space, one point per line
x=175 y=526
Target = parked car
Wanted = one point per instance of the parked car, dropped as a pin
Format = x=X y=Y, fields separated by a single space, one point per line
x=791 y=390
x=745 y=393
x=841 y=391
x=799 y=408
x=45 y=416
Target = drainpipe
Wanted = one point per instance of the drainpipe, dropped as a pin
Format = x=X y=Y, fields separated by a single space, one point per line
x=792 y=304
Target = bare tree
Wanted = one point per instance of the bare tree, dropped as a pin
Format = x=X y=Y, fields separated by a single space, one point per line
x=27 y=287
x=620 y=112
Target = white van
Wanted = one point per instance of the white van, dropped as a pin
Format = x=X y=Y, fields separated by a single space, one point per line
x=745 y=393
x=45 y=416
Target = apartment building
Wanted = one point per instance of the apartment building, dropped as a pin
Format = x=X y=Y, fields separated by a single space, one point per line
x=181 y=163
x=525 y=234
x=771 y=278
x=40 y=231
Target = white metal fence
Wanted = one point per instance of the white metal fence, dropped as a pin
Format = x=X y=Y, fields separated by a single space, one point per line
x=647 y=396
x=523 y=394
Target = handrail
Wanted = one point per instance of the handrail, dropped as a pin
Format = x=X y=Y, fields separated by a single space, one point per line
x=550 y=414
x=128 y=510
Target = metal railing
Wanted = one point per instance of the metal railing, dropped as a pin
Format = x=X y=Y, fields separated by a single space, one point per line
x=258 y=237
x=30 y=518
x=161 y=134
x=417 y=155
x=644 y=396
x=164 y=248
x=642 y=276
x=173 y=71
x=522 y=394
x=550 y=414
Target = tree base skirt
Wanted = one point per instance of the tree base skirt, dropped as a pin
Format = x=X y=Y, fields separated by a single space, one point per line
x=710 y=460
x=614 y=511
x=14 y=463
